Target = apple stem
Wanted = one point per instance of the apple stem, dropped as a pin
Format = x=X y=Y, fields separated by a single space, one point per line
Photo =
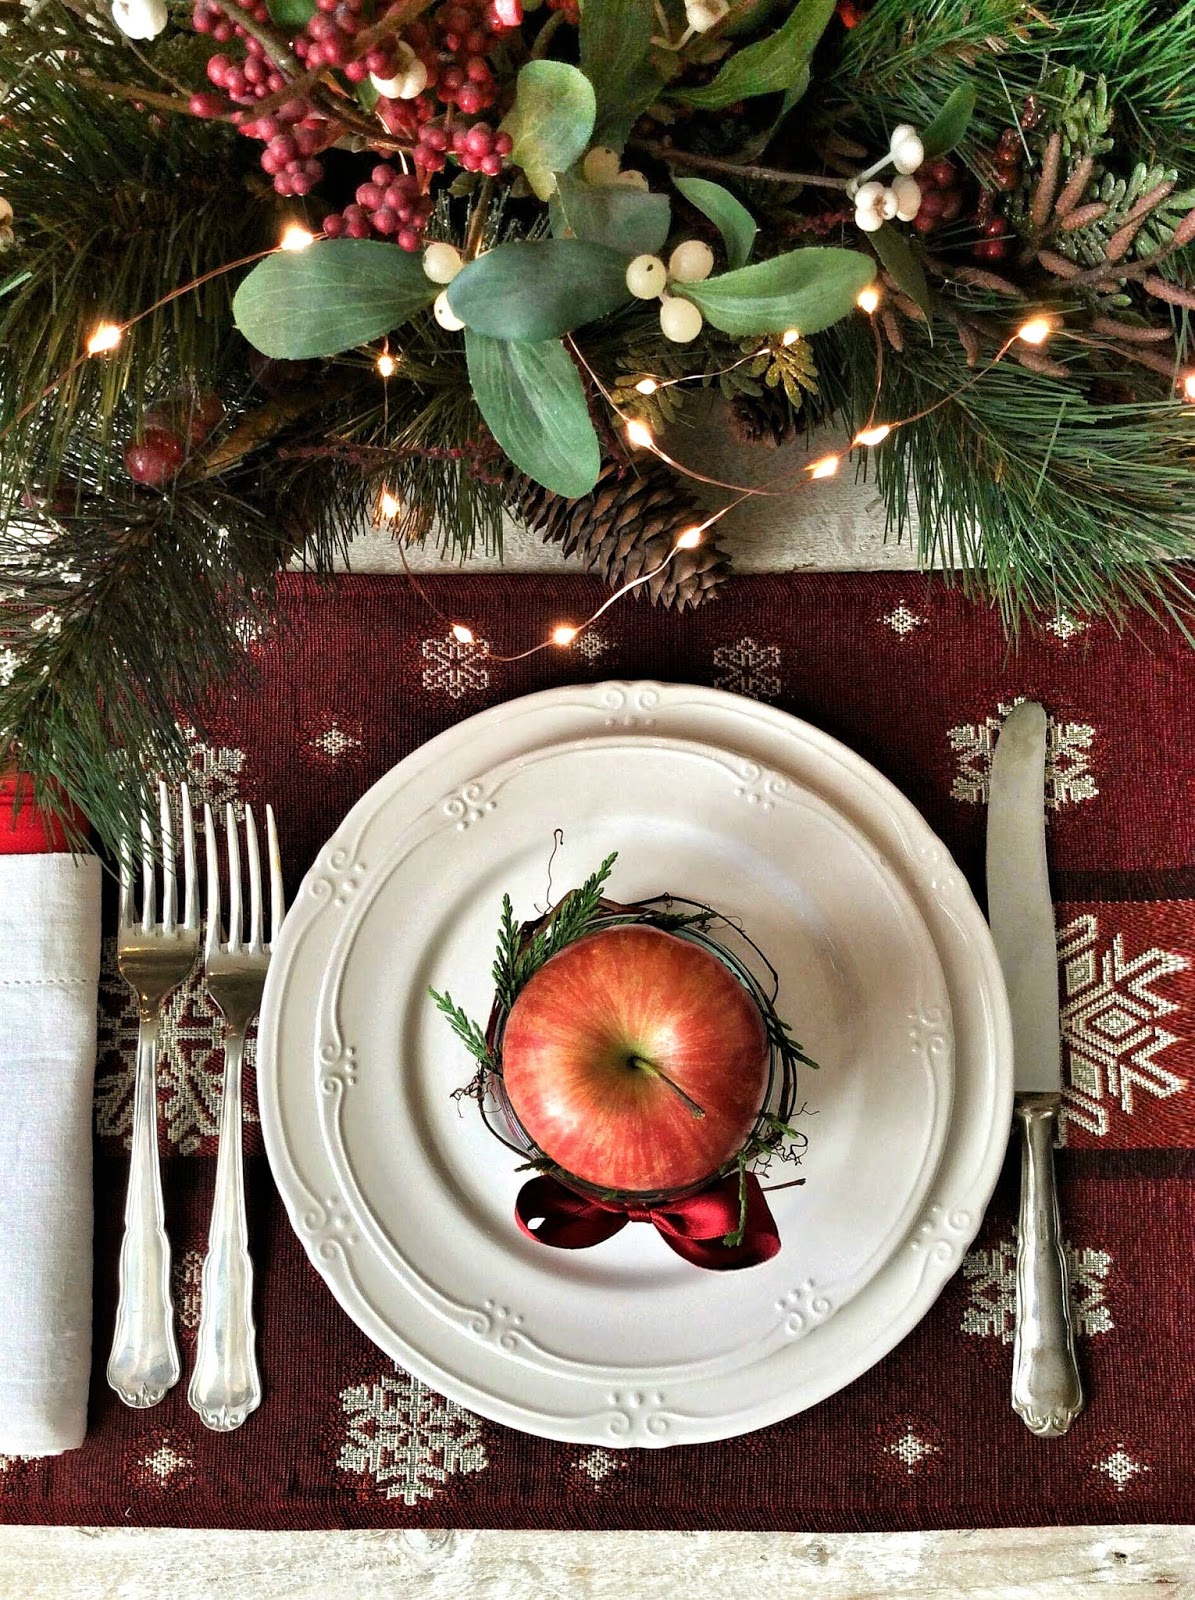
x=657 y=1072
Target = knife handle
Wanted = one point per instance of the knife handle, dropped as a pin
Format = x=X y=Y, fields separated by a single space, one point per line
x=1046 y=1391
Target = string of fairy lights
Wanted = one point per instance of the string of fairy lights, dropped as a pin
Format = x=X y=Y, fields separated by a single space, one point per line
x=1035 y=331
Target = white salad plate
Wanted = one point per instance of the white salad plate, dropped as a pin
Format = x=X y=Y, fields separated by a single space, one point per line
x=404 y=1200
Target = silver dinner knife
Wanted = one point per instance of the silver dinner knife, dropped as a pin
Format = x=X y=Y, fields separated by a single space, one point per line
x=1046 y=1392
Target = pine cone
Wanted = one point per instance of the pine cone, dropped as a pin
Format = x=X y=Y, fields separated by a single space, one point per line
x=765 y=418
x=624 y=527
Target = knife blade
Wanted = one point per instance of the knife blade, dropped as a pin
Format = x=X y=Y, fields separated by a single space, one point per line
x=1046 y=1390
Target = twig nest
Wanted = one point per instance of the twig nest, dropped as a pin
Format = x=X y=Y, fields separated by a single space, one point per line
x=139 y=19
x=601 y=165
x=691 y=261
x=647 y=276
x=442 y=262
x=702 y=15
x=445 y=315
x=869 y=206
x=907 y=193
x=680 y=319
x=407 y=81
x=908 y=152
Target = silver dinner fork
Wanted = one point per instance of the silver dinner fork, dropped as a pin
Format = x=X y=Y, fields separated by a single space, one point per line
x=154 y=958
x=226 y=1386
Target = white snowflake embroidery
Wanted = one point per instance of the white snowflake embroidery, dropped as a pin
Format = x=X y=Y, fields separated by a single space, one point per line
x=747 y=668
x=1066 y=627
x=9 y=662
x=214 y=775
x=164 y=1462
x=910 y=1450
x=186 y=1282
x=1120 y=1468
x=49 y=623
x=597 y=1464
x=454 y=667
x=190 y=1061
x=1069 y=778
x=991 y=1281
x=249 y=631
x=1111 y=1030
x=902 y=621
x=335 y=742
x=407 y=1437
x=591 y=645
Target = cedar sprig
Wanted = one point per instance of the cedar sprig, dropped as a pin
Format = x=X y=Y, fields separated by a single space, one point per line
x=471 y=1035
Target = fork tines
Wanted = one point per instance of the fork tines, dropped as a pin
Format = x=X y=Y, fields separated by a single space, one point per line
x=236 y=942
x=163 y=850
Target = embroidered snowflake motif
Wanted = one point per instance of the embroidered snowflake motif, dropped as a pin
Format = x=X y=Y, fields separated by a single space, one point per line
x=1066 y=627
x=165 y=1466
x=1111 y=1024
x=9 y=662
x=910 y=1449
x=407 y=1438
x=1120 y=1468
x=214 y=776
x=592 y=645
x=190 y=1061
x=334 y=743
x=991 y=1281
x=454 y=667
x=249 y=631
x=186 y=1285
x=747 y=668
x=1069 y=778
x=902 y=621
x=598 y=1464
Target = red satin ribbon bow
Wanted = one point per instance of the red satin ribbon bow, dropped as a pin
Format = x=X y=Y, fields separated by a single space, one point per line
x=695 y=1227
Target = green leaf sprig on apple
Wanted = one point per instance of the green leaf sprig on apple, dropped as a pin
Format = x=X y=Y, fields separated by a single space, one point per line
x=637 y=1054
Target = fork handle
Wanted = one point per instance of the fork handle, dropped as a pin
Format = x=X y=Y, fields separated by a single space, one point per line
x=226 y=1386
x=144 y=1362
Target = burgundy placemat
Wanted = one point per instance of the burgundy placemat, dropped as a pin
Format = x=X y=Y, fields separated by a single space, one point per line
x=914 y=678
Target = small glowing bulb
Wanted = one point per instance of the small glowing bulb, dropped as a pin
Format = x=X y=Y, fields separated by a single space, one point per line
x=825 y=468
x=295 y=237
x=390 y=506
x=874 y=435
x=1036 y=331
x=461 y=634
x=790 y=337
x=689 y=540
x=647 y=386
x=868 y=299
x=1189 y=386
x=639 y=433
x=387 y=365
x=564 y=634
x=105 y=337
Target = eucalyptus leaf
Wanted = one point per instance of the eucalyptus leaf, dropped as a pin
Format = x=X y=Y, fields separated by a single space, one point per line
x=551 y=120
x=769 y=66
x=624 y=219
x=903 y=266
x=731 y=218
x=948 y=127
x=531 y=397
x=539 y=289
x=805 y=289
x=335 y=294
x=615 y=57
x=291 y=14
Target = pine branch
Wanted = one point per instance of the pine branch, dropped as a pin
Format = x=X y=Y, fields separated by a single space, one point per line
x=467 y=1031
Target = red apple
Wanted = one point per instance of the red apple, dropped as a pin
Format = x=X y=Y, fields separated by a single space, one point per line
x=636 y=1060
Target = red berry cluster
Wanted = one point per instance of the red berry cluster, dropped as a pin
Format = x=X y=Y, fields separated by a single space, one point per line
x=479 y=148
x=168 y=432
x=941 y=196
x=996 y=234
x=389 y=204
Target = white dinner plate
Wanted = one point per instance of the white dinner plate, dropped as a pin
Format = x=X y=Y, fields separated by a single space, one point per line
x=403 y=1200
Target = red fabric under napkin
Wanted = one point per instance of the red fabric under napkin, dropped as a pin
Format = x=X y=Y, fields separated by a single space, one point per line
x=25 y=830
x=915 y=678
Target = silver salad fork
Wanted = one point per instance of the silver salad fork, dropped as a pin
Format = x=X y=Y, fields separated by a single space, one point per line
x=226 y=1385
x=154 y=958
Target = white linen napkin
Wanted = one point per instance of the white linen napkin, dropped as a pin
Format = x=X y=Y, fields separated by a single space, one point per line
x=49 y=976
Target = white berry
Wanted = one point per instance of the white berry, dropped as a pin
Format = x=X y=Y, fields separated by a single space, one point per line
x=632 y=178
x=691 y=261
x=445 y=315
x=442 y=262
x=906 y=147
x=702 y=15
x=869 y=206
x=601 y=165
x=888 y=205
x=139 y=19
x=647 y=276
x=680 y=319
x=409 y=80
x=908 y=197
